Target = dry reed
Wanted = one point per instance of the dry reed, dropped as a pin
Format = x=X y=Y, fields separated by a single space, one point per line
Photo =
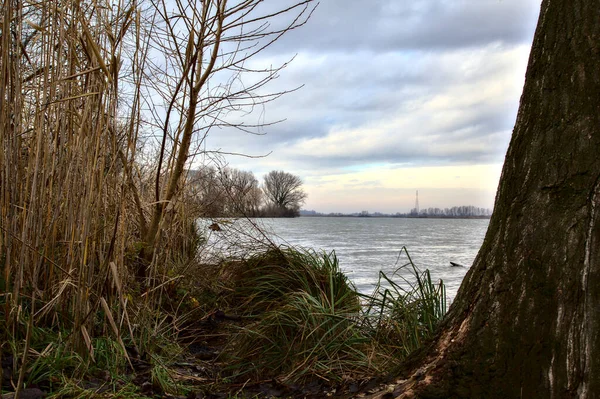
x=86 y=225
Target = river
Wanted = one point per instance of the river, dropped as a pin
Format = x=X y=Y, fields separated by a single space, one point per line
x=364 y=246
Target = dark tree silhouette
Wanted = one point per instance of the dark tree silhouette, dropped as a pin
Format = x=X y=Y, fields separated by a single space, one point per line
x=526 y=320
x=284 y=192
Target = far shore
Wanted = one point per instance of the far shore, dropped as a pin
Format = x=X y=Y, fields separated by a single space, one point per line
x=394 y=216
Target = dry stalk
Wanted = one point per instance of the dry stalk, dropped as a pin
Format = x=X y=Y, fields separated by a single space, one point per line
x=80 y=206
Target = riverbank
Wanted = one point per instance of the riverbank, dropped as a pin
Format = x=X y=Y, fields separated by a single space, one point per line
x=282 y=323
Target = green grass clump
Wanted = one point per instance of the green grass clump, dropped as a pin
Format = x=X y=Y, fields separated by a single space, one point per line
x=63 y=373
x=308 y=321
x=267 y=277
x=308 y=324
x=403 y=315
x=303 y=338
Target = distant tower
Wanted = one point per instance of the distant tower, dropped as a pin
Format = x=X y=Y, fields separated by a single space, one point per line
x=417 y=203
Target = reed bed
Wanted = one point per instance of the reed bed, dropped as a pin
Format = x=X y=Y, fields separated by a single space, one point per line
x=103 y=107
x=64 y=222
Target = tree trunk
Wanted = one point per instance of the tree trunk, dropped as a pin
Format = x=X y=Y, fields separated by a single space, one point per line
x=525 y=322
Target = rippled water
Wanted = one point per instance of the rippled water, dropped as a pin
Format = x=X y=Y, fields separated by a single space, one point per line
x=366 y=245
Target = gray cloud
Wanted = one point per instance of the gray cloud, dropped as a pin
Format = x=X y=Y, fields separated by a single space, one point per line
x=390 y=25
x=396 y=87
x=401 y=83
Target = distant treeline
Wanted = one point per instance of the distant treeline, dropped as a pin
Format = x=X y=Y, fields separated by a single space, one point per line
x=454 y=212
x=463 y=212
x=230 y=192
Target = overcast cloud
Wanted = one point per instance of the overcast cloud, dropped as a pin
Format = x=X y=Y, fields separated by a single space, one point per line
x=391 y=87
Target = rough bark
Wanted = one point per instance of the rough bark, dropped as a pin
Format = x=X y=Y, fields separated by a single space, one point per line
x=525 y=322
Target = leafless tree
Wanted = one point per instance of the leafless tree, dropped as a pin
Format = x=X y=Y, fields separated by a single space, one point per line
x=284 y=191
x=245 y=196
x=206 y=190
x=198 y=79
x=225 y=192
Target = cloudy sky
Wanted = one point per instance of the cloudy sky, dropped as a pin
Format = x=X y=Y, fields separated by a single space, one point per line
x=397 y=96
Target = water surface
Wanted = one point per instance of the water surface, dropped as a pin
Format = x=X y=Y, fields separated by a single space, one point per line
x=366 y=245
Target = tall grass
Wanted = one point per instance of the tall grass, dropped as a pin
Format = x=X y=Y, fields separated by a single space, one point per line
x=73 y=191
x=403 y=312
x=306 y=312
x=63 y=213
x=307 y=321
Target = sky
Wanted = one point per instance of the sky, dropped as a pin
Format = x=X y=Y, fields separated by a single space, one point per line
x=396 y=96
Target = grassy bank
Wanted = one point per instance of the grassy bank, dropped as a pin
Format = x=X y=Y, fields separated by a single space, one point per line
x=285 y=315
